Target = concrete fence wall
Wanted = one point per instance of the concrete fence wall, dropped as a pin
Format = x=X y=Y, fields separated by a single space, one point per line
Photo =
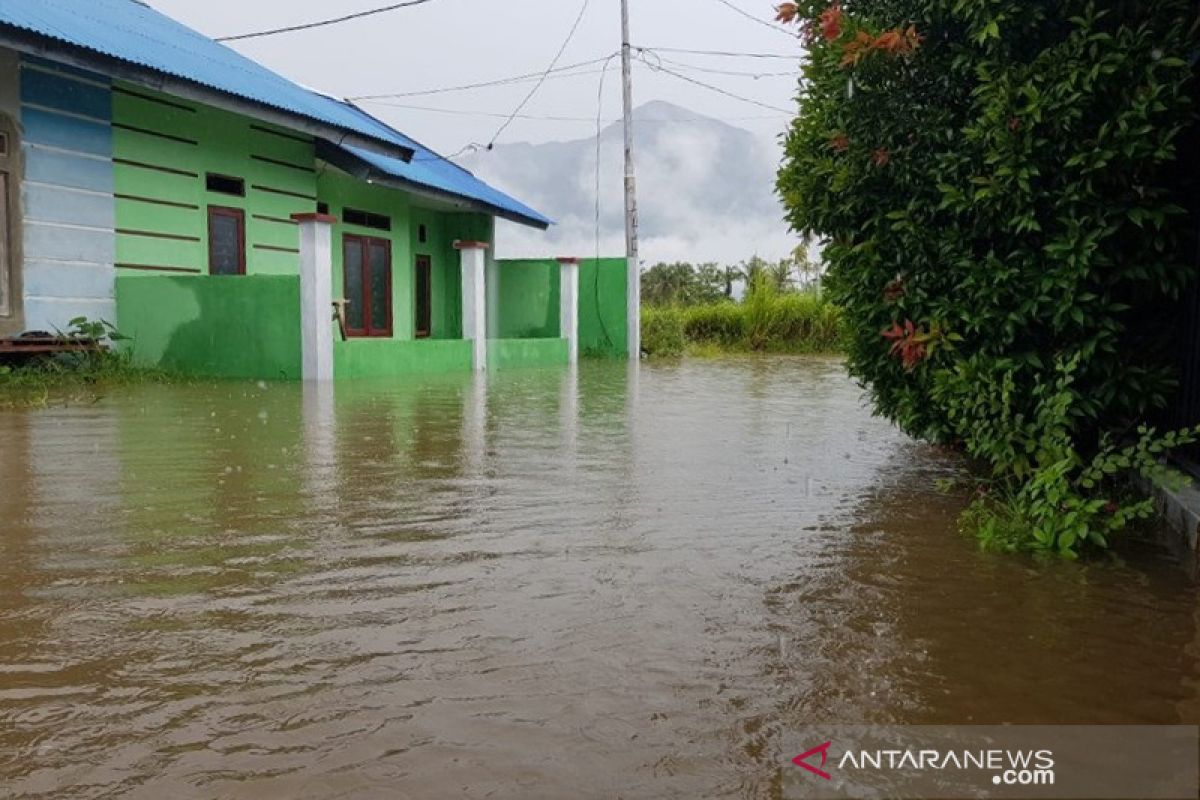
x=528 y=303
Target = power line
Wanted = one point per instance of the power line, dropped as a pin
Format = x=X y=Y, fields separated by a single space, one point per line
x=723 y=53
x=642 y=52
x=599 y=114
x=322 y=23
x=559 y=72
x=732 y=73
x=523 y=78
x=562 y=48
x=558 y=118
x=753 y=18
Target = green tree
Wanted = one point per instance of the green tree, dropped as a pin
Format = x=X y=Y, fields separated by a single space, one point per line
x=664 y=284
x=729 y=275
x=710 y=283
x=996 y=186
x=782 y=274
x=752 y=271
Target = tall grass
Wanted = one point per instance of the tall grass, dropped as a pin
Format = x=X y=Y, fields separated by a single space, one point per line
x=71 y=377
x=765 y=321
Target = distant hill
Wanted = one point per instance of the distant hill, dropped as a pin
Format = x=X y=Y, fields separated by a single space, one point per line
x=705 y=189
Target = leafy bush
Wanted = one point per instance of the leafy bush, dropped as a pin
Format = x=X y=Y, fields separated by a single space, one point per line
x=766 y=321
x=74 y=375
x=720 y=323
x=662 y=331
x=997 y=188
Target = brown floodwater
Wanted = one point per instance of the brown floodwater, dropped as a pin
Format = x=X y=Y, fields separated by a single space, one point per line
x=615 y=585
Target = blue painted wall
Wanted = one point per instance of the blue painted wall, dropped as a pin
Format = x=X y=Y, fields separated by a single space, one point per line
x=67 y=195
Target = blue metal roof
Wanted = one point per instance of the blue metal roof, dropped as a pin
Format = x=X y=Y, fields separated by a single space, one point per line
x=130 y=31
x=133 y=32
x=430 y=170
x=433 y=171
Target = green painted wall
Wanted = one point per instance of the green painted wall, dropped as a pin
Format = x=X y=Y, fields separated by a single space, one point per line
x=386 y=358
x=529 y=302
x=511 y=353
x=213 y=325
x=528 y=296
x=339 y=190
x=163 y=148
x=602 y=316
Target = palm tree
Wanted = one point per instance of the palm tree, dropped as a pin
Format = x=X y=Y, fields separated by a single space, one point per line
x=780 y=274
x=753 y=272
x=729 y=275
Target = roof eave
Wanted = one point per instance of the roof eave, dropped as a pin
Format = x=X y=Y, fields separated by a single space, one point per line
x=46 y=47
x=357 y=168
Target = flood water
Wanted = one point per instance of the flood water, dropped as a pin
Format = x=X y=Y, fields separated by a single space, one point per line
x=614 y=585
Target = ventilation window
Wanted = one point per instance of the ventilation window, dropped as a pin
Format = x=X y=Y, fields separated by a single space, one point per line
x=422 y=234
x=322 y=208
x=365 y=219
x=224 y=184
x=3 y=144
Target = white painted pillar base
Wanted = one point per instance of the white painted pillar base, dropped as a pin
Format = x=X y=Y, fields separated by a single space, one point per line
x=568 y=306
x=473 y=256
x=316 y=296
x=633 y=307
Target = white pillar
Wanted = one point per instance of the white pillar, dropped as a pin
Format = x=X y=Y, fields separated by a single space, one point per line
x=316 y=296
x=474 y=298
x=568 y=305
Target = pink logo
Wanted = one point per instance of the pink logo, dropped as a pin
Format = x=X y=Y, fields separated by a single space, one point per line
x=802 y=760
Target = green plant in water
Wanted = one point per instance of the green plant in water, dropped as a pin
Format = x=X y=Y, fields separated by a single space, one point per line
x=998 y=189
x=1063 y=502
x=662 y=331
x=77 y=374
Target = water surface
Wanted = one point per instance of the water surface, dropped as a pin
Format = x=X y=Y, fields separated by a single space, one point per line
x=610 y=585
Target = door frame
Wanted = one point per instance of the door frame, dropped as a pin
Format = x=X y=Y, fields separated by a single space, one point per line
x=422 y=262
x=11 y=302
x=365 y=242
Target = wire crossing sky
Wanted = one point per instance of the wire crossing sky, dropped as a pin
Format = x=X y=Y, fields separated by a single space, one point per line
x=457 y=74
x=304 y=26
x=468 y=60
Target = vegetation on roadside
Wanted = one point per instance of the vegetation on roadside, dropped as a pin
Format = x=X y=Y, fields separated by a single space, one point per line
x=766 y=320
x=999 y=192
x=682 y=283
x=695 y=309
x=78 y=376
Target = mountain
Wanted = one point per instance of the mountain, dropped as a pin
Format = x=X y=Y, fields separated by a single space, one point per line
x=705 y=190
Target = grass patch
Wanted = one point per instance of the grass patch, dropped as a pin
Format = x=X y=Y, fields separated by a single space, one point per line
x=767 y=321
x=72 y=378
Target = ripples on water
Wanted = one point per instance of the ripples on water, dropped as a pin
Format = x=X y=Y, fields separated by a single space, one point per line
x=545 y=588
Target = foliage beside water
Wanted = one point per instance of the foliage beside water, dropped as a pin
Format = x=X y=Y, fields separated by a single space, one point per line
x=79 y=376
x=999 y=191
x=766 y=321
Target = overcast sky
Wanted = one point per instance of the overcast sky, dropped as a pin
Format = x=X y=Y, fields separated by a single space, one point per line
x=453 y=42
x=449 y=43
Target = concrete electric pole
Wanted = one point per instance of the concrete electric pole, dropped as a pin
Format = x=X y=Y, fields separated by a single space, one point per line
x=633 y=297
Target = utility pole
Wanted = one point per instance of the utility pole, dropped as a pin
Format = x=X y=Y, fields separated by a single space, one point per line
x=633 y=268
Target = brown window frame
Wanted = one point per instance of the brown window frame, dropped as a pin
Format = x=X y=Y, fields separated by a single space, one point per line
x=426 y=263
x=365 y=242
x=240 y=216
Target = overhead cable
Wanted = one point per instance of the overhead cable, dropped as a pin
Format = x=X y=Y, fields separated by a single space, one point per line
x=321 y=23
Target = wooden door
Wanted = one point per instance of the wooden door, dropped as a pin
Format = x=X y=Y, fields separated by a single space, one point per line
x=423 y=293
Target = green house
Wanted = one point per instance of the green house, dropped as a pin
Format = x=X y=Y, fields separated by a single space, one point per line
x=236 y=224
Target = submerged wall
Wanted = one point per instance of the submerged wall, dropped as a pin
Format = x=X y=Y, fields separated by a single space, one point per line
x=528 y=308
x=526 y=353
x=219 y=326
x=390 y=358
